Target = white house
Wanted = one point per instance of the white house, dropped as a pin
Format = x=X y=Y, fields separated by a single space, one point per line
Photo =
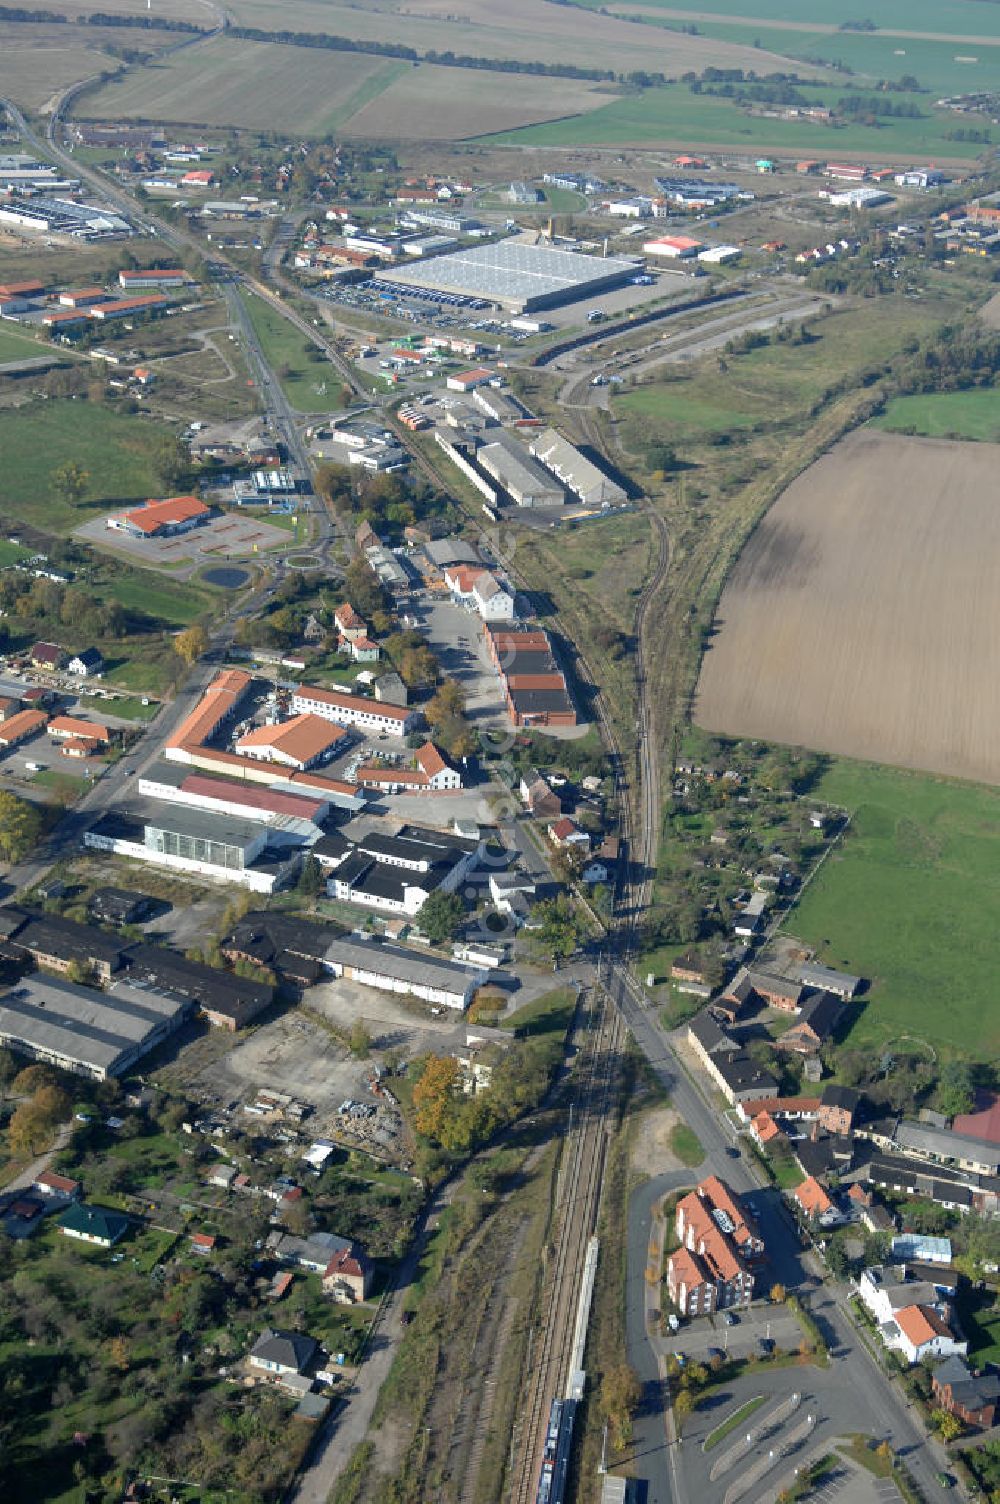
x=923 y=1331
x=87 y=664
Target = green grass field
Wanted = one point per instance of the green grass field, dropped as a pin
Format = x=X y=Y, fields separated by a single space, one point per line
x=12 y=553
x=112 y=447
x=674 y=115
x=311 y=386
x=17 y=346
x=954 y=17
x=909 y=901
x=964 y=415
x=171 y=602
x=686 y=1145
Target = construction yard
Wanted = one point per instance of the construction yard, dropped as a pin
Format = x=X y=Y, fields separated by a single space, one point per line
x=862 y=617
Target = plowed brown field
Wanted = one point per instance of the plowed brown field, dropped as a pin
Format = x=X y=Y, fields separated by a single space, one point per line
x=863 y=616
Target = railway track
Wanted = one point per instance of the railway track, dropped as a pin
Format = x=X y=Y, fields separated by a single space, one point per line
x=577 y=1204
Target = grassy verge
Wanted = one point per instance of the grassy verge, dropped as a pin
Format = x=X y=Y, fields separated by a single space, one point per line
x=686 y=1145
x=311 y=384
x=738 y=1416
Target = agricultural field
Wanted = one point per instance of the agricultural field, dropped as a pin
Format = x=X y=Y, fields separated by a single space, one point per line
x=974 y=414
x=454 y=103
x=959 y=18
x=673 y=115
x=229 y=82
x=909 y=900
x=862 y=616
x=198 y=12
x=265 y=85
x=38 y=63
x=520 y=29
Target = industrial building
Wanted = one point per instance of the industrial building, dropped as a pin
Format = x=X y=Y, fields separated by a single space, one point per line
x=300 y=743
x=228 y=848
x=534 y=686
x=396 y=873
x=517 y=276
x=524 y=481
x=578 y=474
x=673 y=247
x=96 y=1034
x=61 y=216
x=352 y=710
x=391 y=969
x=161 y=519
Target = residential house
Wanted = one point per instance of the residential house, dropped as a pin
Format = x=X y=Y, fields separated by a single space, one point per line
x=711 y=1270
x=313 y=1252
x=838 y=1108
x=815 y=1205
x=539 y=797
x=974 y=1398
x=363 y=650
x=818 y=1018
x=47 y=655
x=282 y=1353
x=87 y=664
x=49 y=1183
x=884 y=1290
x=93 y=1224
x=764 y=1130
x=348 y=1275
x=919 y=1332
x=203 y=1243
x=349 y=623
x=566 y=834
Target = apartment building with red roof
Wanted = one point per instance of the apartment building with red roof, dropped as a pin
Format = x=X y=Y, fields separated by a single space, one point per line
x=713 y=1268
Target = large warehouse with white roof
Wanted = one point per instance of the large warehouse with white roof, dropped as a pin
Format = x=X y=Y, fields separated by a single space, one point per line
x=517 y=276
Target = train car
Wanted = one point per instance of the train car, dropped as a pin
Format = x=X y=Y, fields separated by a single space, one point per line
x=555 y=1457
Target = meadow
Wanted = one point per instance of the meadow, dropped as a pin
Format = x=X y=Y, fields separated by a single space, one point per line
x=973 y=414
x=909 y=901
x=17 y=346
x=112 y=447
x=951 y=17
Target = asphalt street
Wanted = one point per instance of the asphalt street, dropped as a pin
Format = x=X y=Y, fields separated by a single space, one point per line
x=854 y=1374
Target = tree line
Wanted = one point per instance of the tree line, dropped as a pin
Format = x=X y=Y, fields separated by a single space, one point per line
x=97 y=18
x=447 y=59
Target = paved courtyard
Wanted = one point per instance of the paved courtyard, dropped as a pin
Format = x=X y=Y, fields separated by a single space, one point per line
x=231 y=535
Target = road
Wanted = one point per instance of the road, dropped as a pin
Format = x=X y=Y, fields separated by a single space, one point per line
x=890 y=1414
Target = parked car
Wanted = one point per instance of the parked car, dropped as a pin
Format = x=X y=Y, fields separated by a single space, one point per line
x=731 y=1318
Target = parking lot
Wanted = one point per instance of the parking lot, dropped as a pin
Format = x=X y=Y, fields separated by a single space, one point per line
x=228 y=536
x=750 y=1332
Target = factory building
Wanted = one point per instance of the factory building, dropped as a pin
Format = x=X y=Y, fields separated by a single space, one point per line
x=95 y=1034
x=516 y=276
x=524 y=481
x=578 y=474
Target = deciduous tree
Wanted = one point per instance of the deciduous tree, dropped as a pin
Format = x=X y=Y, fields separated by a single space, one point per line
x=191 y=644
x=20 y=827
